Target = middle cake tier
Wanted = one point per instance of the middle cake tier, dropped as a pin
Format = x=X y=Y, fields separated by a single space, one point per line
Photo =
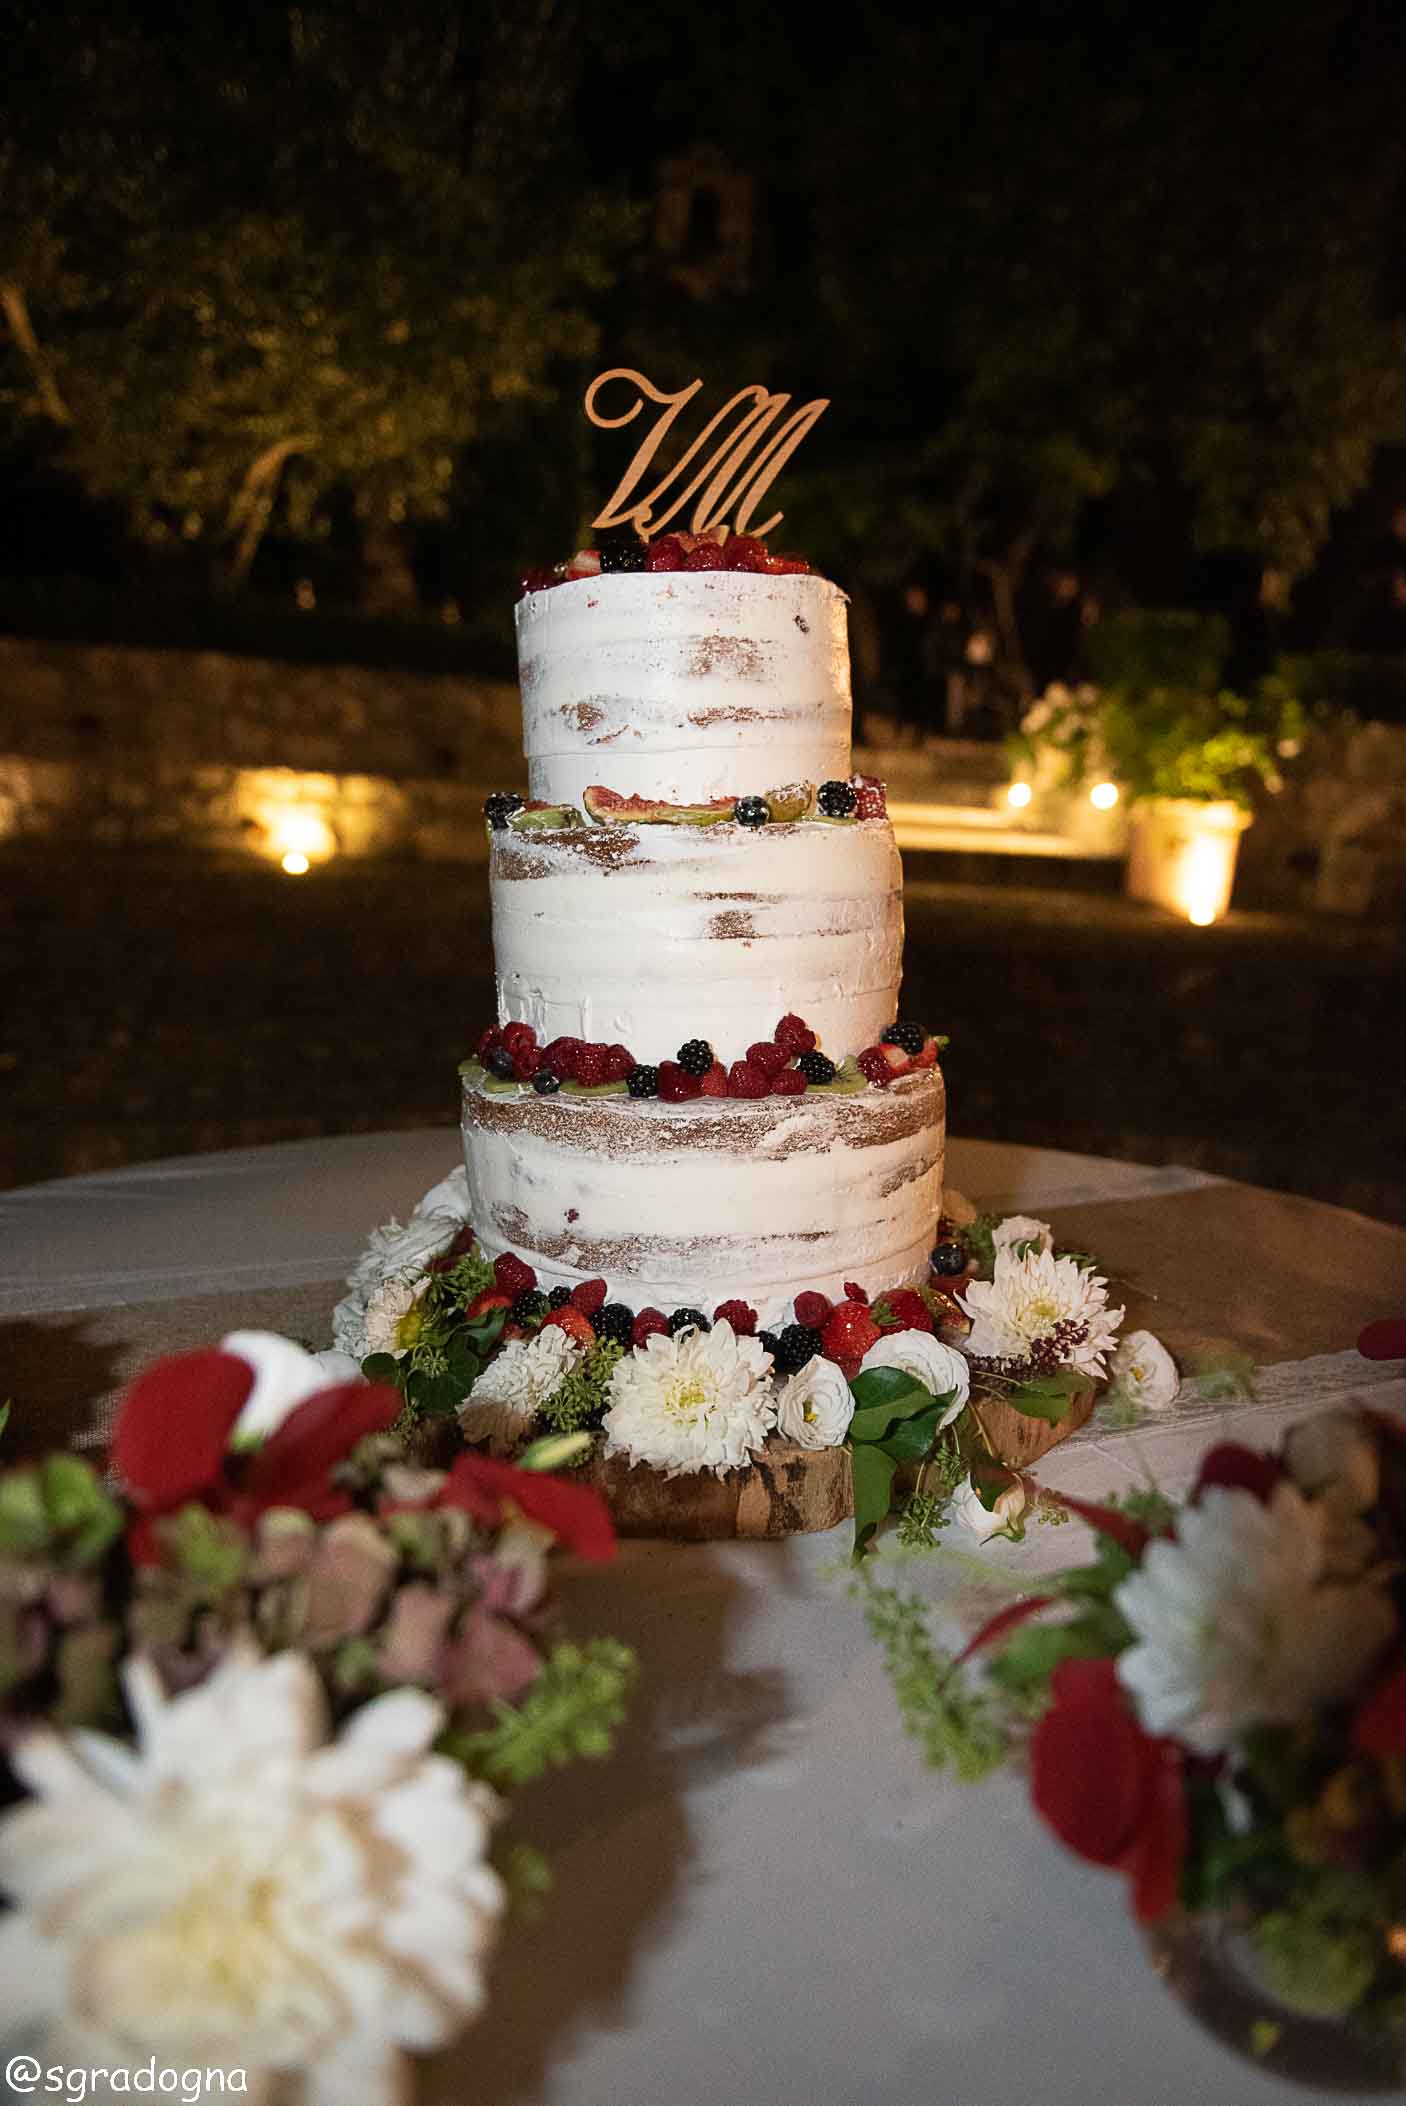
x=647 y=936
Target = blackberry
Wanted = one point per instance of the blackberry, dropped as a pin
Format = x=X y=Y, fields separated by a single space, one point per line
x=499 y=808
x=530 y=1306
x=836 y=800
x=911 y=1037
x=688 y=1320
x=615 y=1321
x=696 y=1057
x=751 y=811
x=621 y=549
x=642 y=1081
x=500 y=1063
x=546 y=1083
x=772 y=1343
x=949 y=1259
x=816 y=1067
x=797 y=1344
x=559 y=1297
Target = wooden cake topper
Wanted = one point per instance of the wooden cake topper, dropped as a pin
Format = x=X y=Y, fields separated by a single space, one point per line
x=733 y=477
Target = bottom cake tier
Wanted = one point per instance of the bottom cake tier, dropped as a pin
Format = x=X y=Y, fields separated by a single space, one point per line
x=689 y=1205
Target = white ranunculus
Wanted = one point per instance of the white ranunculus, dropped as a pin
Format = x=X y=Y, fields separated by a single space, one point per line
x=1143 y=1372
x=816 y=1405
x=399 y=1251
x=701 y=1401
x=1031 y=1298
x=449 y=1196
x=238 y=1891
x=1237 y=1625
x=283 y=1376
x=516 y=1383
x=1004 y=1519
x=1018 y=1229
x=938 y=1367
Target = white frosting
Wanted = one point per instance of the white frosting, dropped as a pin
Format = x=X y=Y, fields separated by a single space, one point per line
x=699 y=932
x=683 y=685
x=689 y=1205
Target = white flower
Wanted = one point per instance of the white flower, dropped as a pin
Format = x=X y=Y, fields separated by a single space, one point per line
x=816 y=1406
x=283 y=1376
x=349 y=1327
x=1031 y=1297
x=1003 y=1519
x=236 y=1890
x=701 y=1401
x=389 y=1318
x=938 y=1367
x=1143 y=1372
x=402 y=1253
x=449 y=1196
x=515 y=1384
x=1236 y=1625
x=1334 y=1462
x=1022 y=1228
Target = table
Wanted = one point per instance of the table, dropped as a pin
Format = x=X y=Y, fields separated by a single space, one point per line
x=763 y=1898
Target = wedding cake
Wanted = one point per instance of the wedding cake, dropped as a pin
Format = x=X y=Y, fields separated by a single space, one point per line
x=698 y=1086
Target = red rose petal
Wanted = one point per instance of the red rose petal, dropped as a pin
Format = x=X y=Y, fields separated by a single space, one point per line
x=577 y=1516
x=175 y=1423
x=1237 y=1469
x=294 y=1465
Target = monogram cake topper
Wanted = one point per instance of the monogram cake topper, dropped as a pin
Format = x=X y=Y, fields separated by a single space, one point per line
x=732 y=478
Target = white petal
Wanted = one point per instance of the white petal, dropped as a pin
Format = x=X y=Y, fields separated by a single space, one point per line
x=283 y=1375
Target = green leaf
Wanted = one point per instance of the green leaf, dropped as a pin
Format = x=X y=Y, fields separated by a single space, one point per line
x=24 y=1523
x=556 y=1451
x=79 y=1506
x=1046 y=1397
x=382 y=1367
x=911 y=1439
x=873 y=1490
x=884 y=1396
x=5 y=1414
x=1035 y=1651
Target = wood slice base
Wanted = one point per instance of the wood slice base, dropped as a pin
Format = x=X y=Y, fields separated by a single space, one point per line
x=788 y=1491
x=1020 y=1441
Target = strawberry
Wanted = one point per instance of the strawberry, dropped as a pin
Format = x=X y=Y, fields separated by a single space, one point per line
x=928 y=1057
x=705 y=555
x=618 y=1062
x=873 y=802
x=584 y=564
x=768 y=1056
x=589 y=1296
x=560 y=1056
x=490 y=1298
x=813 y=1310
x=745 y=552
x=849 y=1332
x=903 y=1309
x=789 y=1082
x=742 y=1318
x=650 y=1323
x=795 y=1036
x=873 y=1062
x=573 y=1323
x=786 y=563
x=855 y=1293
x=590 y=1065
x=743 y=1080
x=714 y=1083
x=511 y=1276
x=667 y=553
x=676 y=1085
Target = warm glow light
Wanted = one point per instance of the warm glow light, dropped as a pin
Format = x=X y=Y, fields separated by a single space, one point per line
x=1205 y=877
x=1103 y=796
x=1019 y=795
x=300 y=837
x=295 y=863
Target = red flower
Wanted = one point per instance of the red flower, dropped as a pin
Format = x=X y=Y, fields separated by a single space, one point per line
x=1109 y=1791
x=1380 y=1725
x=171 y=1444
x=488 y=1490
x=1384 y=1340
x=1238 y=1469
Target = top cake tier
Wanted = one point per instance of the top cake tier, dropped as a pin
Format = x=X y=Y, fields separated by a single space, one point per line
x=683 y=685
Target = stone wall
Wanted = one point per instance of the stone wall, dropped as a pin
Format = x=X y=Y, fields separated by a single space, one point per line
x=1334 y=838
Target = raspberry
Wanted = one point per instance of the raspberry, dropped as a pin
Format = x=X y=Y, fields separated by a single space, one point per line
x=490 y=1299
x=695 y=1057
x=573 y=1323
x=786 y=562
x=795 y=1036
x=903 y=1309
x=705 y=555
x=855 y=1293
x=589 y=1296
x=789 y=1082
x=813 y=1310
x=517 y=1035
x=511 y=1276
x=743 y=1080
x=742 y=1318
x=526 y=1063
x=849 y=1332
x=536 y=580
x=560 y=1057
x=618 y=1062
x=650 y=1323
x=676 y=1085
x=714 y=1083
x=745 y=552
x=590 y=1065
x=873 y=799
x=873 y=1063
x=910 y=1037
x=768 y=1056
x=667 y=553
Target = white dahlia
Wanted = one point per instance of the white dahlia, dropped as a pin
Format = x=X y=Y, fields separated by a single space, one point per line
x=236 y=1890
x=1041 y=1297
x=1236 y=1624
x=516 y=1383
x=816 y=1405
x=1143 y=1372
x=937 y=1366
x=702 y=1401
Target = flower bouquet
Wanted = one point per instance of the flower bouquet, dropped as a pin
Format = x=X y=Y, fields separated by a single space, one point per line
x=264 y=1697
x=903 y=1402
x=1216 y=1708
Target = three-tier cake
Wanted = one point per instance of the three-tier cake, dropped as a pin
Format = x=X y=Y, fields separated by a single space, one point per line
x=731 y=874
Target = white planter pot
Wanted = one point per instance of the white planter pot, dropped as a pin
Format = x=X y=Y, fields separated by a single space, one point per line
x=1182 y=854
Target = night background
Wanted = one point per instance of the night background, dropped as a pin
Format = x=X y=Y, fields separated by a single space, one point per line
x=297 y=310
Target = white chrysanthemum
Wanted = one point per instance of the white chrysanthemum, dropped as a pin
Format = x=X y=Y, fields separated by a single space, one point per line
x=816 y=1405
x=702 y=1401
x=937 y=1366
x=1005 y=1518
x=1022 y=1228
x=401 y=1252
x=389 y=1318
x=233 y=1891
x=283 y=1376
x=1143 y=1372
x=515 y=1385
x=1236 y=1625
x=1032 y=1297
